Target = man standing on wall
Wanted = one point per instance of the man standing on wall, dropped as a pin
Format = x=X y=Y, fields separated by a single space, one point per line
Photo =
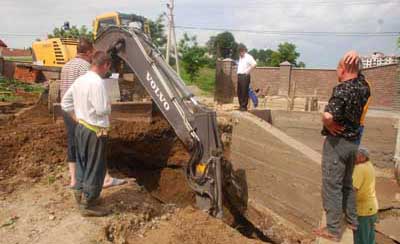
x=245 y=66
x=341 y=126
x=76 y=67
x=86 y=101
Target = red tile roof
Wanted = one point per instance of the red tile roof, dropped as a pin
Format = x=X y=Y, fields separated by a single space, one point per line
x=2 y=44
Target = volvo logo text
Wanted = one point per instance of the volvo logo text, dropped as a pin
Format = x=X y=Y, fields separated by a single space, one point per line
x=157 y=91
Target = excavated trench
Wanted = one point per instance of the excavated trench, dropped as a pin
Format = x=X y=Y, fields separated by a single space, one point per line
x=156 y=158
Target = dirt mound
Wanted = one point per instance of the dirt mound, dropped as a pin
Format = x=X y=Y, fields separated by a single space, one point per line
x=30 y=146
x=145 y=146
x=191 y=226
x=33 y=146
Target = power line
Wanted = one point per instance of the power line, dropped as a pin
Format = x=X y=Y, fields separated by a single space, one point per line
x=21 y=35
x=291 y=33
x=290 y=4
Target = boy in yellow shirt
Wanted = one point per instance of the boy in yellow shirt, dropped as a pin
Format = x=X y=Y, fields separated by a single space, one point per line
x=366 y=201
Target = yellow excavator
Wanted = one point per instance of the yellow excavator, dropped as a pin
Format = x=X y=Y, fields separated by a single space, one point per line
x=55 y=52
x=50 y=55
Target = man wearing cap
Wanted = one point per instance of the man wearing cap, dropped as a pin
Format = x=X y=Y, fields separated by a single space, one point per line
x=341 y=126
x=245 y=65
x=366 y=201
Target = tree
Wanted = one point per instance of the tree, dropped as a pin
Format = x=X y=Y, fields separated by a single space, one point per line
x=286 y=52
x=192 y=55
x=73 y=32
x=223 y=45
x=157 y=32
x=262 y=56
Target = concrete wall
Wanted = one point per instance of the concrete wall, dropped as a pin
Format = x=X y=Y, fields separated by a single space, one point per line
x=290 y=81
x=379 y=137
x=282 y=174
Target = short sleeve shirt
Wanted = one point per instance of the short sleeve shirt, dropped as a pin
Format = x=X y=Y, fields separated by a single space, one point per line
x=348 y=104
x=364 y=183
x=71 y=71
x=245 y=63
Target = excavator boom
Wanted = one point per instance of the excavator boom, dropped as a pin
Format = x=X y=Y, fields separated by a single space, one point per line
x=194 y=124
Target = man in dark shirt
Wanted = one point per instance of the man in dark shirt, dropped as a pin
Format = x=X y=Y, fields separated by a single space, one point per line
x=341 y=121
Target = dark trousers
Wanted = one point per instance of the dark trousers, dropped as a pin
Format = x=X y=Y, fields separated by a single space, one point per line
x=338 y=195
x=70 y=125
x=90 y=162
x=243 y=90
x=365 y=233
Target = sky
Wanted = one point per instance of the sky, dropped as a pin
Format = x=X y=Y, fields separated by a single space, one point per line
x=22 y=21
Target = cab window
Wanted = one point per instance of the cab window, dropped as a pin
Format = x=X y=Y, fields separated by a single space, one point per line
x=104 y=23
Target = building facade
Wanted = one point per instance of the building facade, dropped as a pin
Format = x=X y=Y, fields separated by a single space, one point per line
x=379 y=59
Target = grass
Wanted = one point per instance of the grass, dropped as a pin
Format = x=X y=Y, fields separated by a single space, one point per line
x=19 y=59
x=10 y=88
x=205 y=80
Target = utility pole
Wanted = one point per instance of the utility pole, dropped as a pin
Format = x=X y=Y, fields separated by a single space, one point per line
x=171 y=36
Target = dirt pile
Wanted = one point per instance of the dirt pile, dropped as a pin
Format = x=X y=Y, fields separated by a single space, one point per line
x=30 y=146
x=191 y=226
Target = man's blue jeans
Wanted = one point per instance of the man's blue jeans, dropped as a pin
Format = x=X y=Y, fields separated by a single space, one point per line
x=253 y=97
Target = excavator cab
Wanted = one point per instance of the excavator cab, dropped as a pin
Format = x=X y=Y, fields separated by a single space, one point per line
x=132 y=21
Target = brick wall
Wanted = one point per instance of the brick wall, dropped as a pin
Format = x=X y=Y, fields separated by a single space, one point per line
x=384 y=81
x=8 y=69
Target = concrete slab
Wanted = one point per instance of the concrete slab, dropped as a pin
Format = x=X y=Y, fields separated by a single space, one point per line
x=390 y=227
x=283 y=179
x=379 y=137
x=283 y=175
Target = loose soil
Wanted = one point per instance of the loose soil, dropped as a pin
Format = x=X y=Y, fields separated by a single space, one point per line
x=36 y=205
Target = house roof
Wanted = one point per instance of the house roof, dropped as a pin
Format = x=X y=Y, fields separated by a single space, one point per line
x=2 y=44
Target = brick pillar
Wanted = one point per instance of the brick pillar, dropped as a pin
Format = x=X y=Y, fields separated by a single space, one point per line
x=397 y=92
x=224 y=83
x=285 y=79
x=1 y=64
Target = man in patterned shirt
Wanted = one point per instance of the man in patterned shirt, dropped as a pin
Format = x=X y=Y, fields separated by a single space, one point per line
x=341 y=121
x=75 y=68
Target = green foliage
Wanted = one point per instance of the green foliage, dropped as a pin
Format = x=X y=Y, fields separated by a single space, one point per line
x=263 y=56
x=205 y=80
x=223 y=45
x=19 y=59
x=9 y=89
x=286 y=52
x=73 y=32
x=157 y=32
x=192 y=55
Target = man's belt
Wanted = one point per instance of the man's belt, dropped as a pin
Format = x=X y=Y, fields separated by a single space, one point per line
x=100 y=131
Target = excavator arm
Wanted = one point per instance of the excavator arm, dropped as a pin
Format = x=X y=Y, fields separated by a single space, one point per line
x=194 y=124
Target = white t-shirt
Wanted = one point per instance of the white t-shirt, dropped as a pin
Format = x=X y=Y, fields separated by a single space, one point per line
x=88 y=98
x=245 y=63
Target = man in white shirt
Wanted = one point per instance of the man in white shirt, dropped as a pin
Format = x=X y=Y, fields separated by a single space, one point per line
x=245 y=66
x=86 y=100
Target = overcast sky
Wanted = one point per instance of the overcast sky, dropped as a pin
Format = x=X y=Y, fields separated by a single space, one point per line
x=36 y=18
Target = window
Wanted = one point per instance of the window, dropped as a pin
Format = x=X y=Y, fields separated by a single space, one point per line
x=104 y=23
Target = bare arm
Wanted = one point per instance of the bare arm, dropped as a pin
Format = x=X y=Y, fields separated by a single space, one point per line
x=330 y=124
